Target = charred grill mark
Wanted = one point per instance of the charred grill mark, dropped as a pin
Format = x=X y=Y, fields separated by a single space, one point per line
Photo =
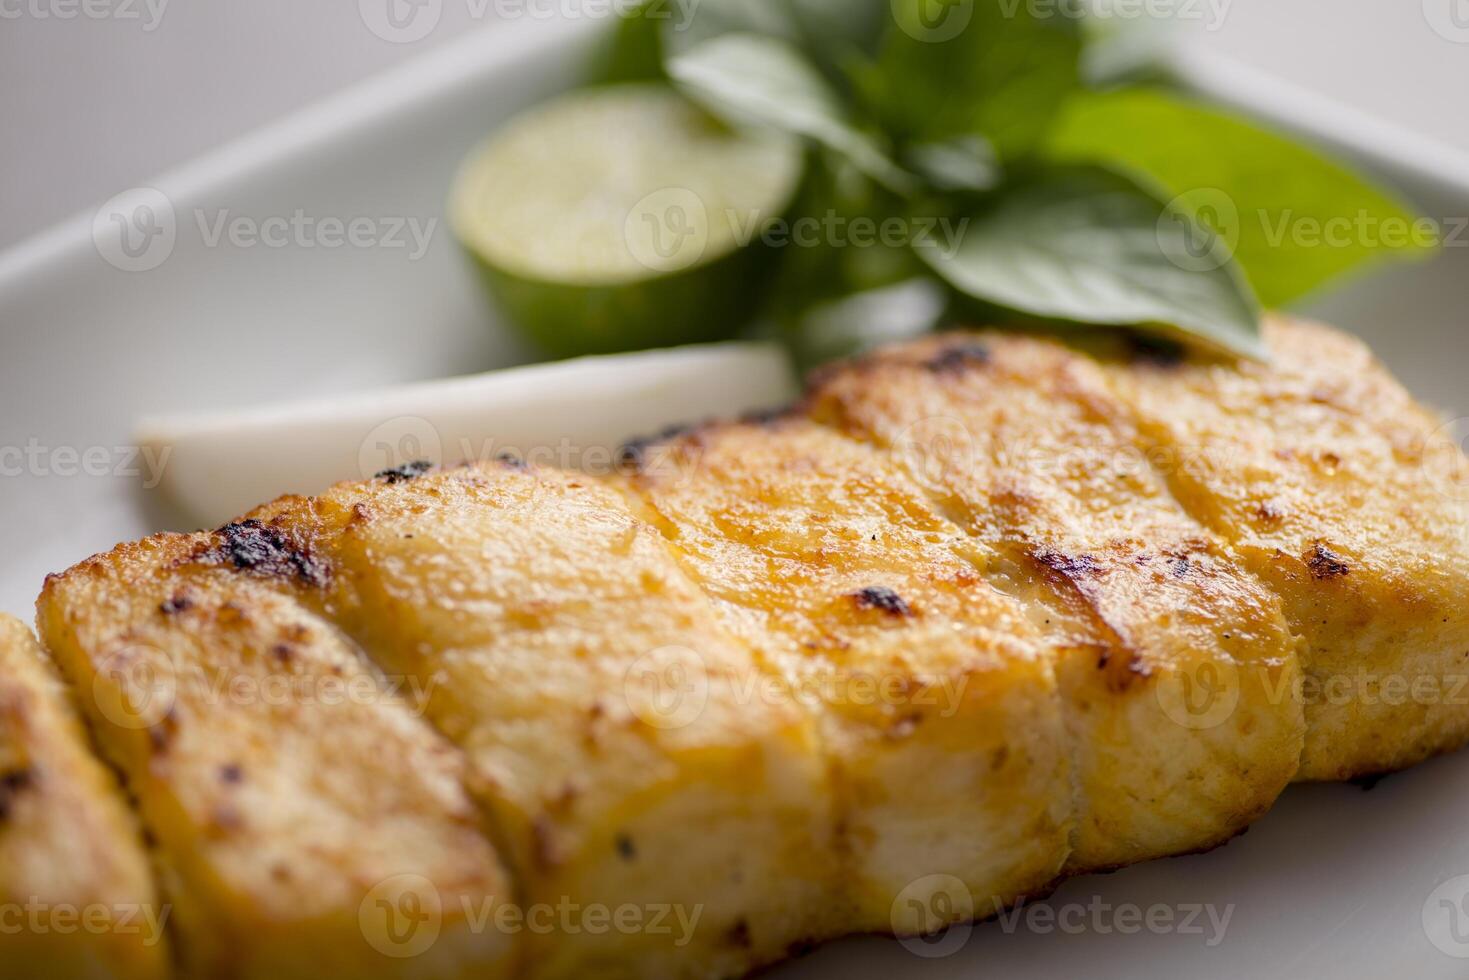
x=1132 y=668
x=1071 y=566
x=633 y=455
x=544 y=850
x=175 y=605
x=565 y=800
x=630 y=456
x=225 y=820
x=404 y=472
x=768 y=417
x=739 y=935
x=161 y=735
x=1155 y=351
x=250 y=544
x=1368 y=782
x=958 y=358
x=859 y=364
x=800 y=948
x=253 y=546
x=1081 y=576
x=1325 y=563
x=12 y=784
x=883 y=598
x=999 y=758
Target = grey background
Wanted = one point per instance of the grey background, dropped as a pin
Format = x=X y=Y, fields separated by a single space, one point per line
x=95 y=104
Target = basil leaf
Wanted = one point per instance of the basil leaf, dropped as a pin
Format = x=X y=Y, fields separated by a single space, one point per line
x=965 y=163
x=1294 y=219
x=1092 y=246
x=633 y=51
x=710 y=19
x=749 y=78
x=860 y=321
x=836 y=32
x=999 y=68
x=834 y=243
x=830 y=31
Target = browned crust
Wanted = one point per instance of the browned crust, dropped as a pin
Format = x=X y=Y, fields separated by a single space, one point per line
x=261 y=544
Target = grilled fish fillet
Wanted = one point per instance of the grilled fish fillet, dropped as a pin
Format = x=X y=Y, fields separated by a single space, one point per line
x=983 y=611
x=1020 y=442
x=76 y=893
x=603 y=710
x=300 y=809
x=1350 y=502
x=933 y=693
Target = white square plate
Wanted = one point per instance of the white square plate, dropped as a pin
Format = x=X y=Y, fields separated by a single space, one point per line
x=1334 y=882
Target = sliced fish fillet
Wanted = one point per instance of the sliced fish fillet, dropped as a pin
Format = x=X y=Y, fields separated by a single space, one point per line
x=982 y=611
x=76 y=891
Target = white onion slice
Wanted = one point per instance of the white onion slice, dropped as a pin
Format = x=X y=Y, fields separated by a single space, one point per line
x=572 y=414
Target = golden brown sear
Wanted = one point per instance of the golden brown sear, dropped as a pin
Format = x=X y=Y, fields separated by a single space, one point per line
x=305 y=820
x=77 y=898
x=982 y=611
x=1351 y=503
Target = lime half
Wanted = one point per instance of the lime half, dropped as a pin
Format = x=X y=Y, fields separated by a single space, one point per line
x=622 y=218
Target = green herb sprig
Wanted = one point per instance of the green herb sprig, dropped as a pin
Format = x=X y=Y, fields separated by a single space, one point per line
x=1134 y=206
